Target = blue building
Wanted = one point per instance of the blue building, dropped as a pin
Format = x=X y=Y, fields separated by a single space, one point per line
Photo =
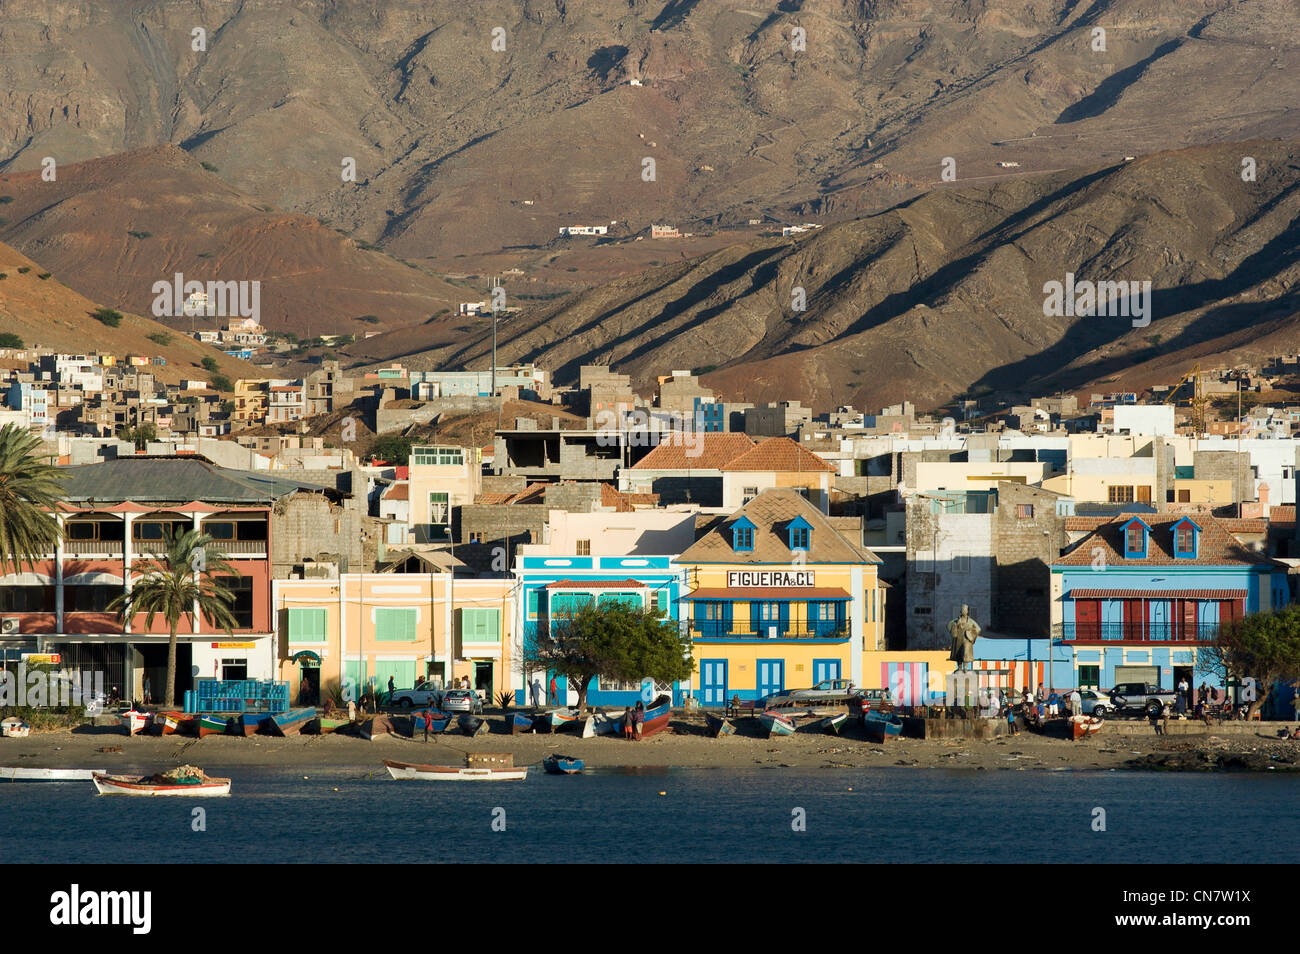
x=710 y=416
x=553 y=586
x=1139 y=598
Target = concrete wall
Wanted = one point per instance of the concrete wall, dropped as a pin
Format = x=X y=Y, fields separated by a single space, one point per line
x=949 y=562
x=1024 y=548
x=394 y=419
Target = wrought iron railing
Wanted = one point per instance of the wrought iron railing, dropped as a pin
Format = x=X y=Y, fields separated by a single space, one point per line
x=1160 y=632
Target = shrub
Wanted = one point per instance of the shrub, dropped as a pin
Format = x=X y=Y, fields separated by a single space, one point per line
x=222 y=383
x=24 y=269
x=161 y=338
x=210 y=364
x=139 y=235
x=3 y=276
x=6 y=199
x=108 y=316
x=42 y=275
x=209 y=166
x=10 y=340
x=369 y=319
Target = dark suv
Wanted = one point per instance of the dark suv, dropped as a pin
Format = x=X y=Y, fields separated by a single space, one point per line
x=1136 y=697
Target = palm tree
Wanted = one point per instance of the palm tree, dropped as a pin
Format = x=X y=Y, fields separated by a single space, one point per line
x=30 y=493
x=172 y=583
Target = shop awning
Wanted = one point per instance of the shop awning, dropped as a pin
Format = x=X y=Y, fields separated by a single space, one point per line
x=304 y=654
x=756 y=593
x=1086 y=594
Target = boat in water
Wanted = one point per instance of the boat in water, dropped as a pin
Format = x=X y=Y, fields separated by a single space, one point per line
x=776 y=723
x=1081 y=725
x=289 y=722
x=135 y=722
x=718 y=726
x=881 y=726
x=455 y=773
x=562 y=765
x=518 y=723
x=24 y=774
x=213 y=724
x=185 y=780
x=14 y=728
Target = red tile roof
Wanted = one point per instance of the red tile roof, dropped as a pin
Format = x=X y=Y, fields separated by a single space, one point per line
x=400 y=491
x=780 y=454
x=1216 y=545
x=707 y=450
x=622 y=502
x=596 y=585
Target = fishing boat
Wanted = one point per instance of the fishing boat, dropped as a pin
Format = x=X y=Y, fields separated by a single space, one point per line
x=376 y=727
x=455 y=773
x=655 y=719
x=601 y=723
x=135 y=722
x=290 y=722
x=14 y=728
x=880 y=726
x=183 y=781
x=1081 y=725
x=46 y=774
x=718 y=726
x=562 y=765
x=251 y=722
x=559 y=718
x=213 y=724
x=518 y=723
x=170 y=723
x=833 y=723
x=472 y=724
x=326 y=724
x=776 y=723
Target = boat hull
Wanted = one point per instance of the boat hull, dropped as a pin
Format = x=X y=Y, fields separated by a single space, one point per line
x=124 y=785
x=833 y=724
x=719 y=727
x=251 y=722
x=452 y=773
x=212 y=725
x=518 y=723
x=882 y=729
x=15 y=729
x=562 y=765
x=562 y=717
x=1082 y=725
x=133 y=723
x=289 y=723
x=776 y=724
x=472 y=725
x=23 y=774
x=656 y=717
x=325 y=726
x=173 y=723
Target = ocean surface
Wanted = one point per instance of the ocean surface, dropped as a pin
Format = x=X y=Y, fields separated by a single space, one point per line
x=670 y=815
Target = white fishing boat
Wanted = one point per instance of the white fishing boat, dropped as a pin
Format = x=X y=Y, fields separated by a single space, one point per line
x=455 y=773
x=601 y=724
x=14 y=728
x=149 y=785
x=20 y=774
x=135 y=722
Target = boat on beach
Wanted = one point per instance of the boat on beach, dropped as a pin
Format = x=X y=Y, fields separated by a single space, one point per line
x=183 y=781
x=24 y=774
x=455 y=773
x=290 y=722
x=135 y=722
x=559 y=718
x=213 y=724
x=14 y=728
x=438 y=721
x=375 y=727
x=472 y=725
x=327 y=724
x=833 y=723
x=562 y=765
x=518 y=723
x=171 y=723
x=718 y=726
x=881 y=726
x=251 y=722
x=776 y=723
x=656 y=716
x=1081 y=725
x=600 y=723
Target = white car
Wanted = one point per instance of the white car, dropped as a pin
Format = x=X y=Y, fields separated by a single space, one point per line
x=1095 y=702
x=424 y=695
x=461 y=700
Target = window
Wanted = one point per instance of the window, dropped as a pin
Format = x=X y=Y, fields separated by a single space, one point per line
x=1120 y=494
x=1184 y=539
x=476 y=536
x=921 y=611
x=396 y=625
x=769 y=612
x=961 y=562
x=628 y=600
x=1090 y=676
x=1184 y=496
x=234 y=669
x=1134 y=542
x=242 y=607
x=307 y=625
x=1024 y=511
x=27 y=599
x=712 y=611
x=438 y=456
x=480 y=626
x=657 y=600
x=744 y=538
x=747 y=494
x=89 y=599
x=564 y=605
x=584 y=548
x=439 y=509
x=534 y=602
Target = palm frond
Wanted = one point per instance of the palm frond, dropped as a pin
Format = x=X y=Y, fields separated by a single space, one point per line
x=30 y=493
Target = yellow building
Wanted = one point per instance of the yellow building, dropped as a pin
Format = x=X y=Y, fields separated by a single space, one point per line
x=779 y=596
x=441 y=478
x=362 y=628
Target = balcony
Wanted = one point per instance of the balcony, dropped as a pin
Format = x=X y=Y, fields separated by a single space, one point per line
x=1165 y=632
x=105 y=548
x=830 y=632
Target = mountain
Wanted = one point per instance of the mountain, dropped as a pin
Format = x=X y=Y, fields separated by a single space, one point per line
x=946 y=294
x=830 y=108
x=44 y=312
x=112 y=227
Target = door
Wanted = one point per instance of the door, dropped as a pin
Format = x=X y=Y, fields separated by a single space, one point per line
x=713 y=682
x=483 y=681
x=1087 y=617
x=771 y=677
x=824 y=669
x=1135 y=618
x=1186 y=619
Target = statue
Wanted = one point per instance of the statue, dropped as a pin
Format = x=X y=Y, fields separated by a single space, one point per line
x=963 y=631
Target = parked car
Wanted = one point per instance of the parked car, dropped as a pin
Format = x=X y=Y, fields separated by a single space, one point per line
x=828 y=690
x=461 y=700
x=1138 y=697
x=1094 y=702
x=423 y=695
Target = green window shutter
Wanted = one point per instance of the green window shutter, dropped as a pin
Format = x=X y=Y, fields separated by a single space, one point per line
x=402 y=671
x=480 y=626
x=395 y=625
x=307 y=625
x=628 y=600
x=532 y=604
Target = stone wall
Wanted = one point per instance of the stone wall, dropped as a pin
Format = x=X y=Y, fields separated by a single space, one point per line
x=1024 y=549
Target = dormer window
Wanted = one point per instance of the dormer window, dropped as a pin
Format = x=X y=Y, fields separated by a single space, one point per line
x=1136 y=533
x=742 y=535
x=799 y=533
x=1186 y=537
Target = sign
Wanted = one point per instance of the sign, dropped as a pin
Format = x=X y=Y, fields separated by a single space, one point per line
x=743 y=578
x=234 y=645
x=42 y=659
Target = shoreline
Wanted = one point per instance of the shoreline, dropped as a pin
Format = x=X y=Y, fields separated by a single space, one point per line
x=685 y=748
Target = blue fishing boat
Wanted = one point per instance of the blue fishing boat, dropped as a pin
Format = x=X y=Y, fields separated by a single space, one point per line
x=438 y=721
x=559 y=718
x=250 y=722
x=776 y=723
x=290 y=722
x=518 y=723
x=880 y=726
x=562 y=765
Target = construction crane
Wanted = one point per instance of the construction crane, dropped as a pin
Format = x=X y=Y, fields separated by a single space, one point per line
x=1198 y=402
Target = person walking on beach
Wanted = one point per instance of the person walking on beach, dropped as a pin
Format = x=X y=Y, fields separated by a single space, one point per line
x=428 y=721
x=629 y=723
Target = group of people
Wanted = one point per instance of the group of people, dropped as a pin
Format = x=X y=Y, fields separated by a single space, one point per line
x=633 y=719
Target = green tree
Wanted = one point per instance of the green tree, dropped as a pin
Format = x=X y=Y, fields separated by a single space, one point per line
x=393 y=448
x=221 y=383
x=172 y=583
x=139 y=435
x=210 y=365
x=1263 y=646
x=616 y=642
x=107 y=315
x=10 y=340
x=30 y=493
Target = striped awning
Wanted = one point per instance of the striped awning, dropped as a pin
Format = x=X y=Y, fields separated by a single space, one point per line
x=1085 y=594
x=770 y=593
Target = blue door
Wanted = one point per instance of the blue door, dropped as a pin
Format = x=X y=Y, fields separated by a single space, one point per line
x=824 y=669
x=713 y=682
x=771 y=676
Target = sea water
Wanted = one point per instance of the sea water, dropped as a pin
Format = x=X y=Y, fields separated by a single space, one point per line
x=877 y=815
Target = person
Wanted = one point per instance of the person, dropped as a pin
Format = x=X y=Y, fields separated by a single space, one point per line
x=464 y=682
x=552 y=694
x=1180 y=703
x=1029 y=695
x=1011 y=721
x=1203 y=712
x=329 y=706
x=1076 y=702
x=392 y=687
x=638 y=716
x=535 y=688
x=428 y=720
x=1183 y=690
x=1053 y=705
x=352 y=711
x=629 y=723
